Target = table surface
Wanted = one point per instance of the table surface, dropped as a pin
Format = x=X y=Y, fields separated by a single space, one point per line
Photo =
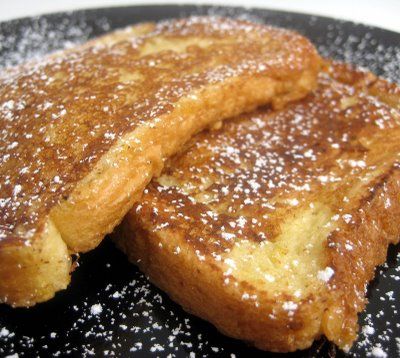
x=381 y=13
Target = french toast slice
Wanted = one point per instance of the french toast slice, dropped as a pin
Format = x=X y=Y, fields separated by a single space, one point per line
x=86 y=129
x=271 y=227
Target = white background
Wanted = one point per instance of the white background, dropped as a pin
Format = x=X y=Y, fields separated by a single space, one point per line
x=382 y=13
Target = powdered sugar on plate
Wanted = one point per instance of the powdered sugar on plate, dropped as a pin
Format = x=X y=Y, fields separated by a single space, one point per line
x=34 y=37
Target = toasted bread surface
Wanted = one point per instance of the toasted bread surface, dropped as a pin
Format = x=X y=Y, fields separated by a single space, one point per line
x=85 y=130
x=272 y=226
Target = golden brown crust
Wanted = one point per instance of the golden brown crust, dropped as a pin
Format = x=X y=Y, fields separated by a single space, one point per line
x=85 y=130
x=145 y=150
x=55 y=134
x=200 y=289
x=373 y=226
x=271 y=226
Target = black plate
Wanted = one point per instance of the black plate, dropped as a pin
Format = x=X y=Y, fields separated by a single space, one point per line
x=136 y=318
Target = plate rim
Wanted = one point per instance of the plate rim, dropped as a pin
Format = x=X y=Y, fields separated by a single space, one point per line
x=280 y=12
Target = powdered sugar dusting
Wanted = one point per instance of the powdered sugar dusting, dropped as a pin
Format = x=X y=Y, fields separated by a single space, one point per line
x=32 y=38
x=139 y=320
x=54 y=134
x=326 y=275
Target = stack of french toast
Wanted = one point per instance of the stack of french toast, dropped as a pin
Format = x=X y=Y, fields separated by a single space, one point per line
x=253 y=181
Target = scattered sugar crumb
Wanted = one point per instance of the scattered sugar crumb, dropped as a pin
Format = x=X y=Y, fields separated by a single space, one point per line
x=378 y=352
x=96 y=309
x=325 y=275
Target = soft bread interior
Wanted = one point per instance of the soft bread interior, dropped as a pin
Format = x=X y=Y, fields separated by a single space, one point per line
x=34 y=272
